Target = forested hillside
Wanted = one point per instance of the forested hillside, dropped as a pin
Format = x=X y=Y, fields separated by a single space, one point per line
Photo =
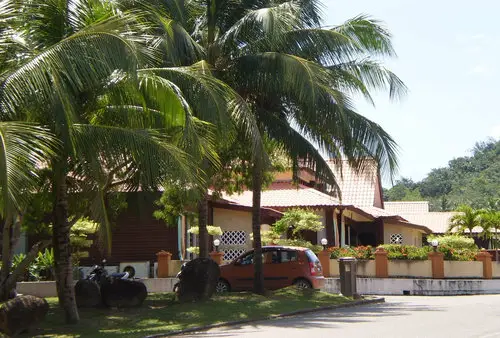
x=472 y=180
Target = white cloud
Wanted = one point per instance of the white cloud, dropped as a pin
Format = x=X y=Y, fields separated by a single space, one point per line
x=495 y=131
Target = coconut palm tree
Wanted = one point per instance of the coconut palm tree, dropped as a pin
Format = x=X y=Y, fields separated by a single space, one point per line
x=23 y=147
x=85 y=72
x=466 y=221
x=296 y=77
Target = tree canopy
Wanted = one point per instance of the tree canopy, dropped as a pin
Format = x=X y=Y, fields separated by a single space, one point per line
x=473 y=180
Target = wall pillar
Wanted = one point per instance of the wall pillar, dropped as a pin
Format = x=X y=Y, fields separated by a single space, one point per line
x=163 y=258
x=485 y=257
x=342 y=230
x=381 y=263
x=437 y=261
x=217 y=256
x=324 y=259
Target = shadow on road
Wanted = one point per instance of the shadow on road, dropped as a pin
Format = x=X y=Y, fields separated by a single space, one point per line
x=326 y=319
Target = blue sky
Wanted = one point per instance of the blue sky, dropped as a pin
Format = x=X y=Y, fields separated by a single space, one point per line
x=446 y=56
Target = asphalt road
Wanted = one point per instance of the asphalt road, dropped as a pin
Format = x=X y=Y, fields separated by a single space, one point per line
x=405 y=316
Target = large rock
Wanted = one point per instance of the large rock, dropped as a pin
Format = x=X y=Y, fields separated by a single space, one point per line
x=197 y=280
x=87 y=293
x=123 y=293
x=19 y=314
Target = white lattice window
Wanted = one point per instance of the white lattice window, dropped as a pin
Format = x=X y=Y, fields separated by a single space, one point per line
x=231 y=254
x=233 y=238
x=396 y=239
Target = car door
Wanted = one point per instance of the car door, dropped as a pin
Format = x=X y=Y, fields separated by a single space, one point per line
x=275 y=274
x=243 y=272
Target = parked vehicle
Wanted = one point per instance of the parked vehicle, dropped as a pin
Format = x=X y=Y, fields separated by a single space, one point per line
x=112 y=290
x=282 y=266
x=99 y=274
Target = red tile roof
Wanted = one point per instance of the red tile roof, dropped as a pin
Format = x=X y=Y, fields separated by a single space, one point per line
x=359 y=188
x=287 y=195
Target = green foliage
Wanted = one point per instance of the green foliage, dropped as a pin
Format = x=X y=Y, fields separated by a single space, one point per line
x=406 y=252
x=454 y=241
x=176 y=200
x=79 y=239
x=298 y=220
x=471 y=180
x=359 y=252
x=453 y=254
x=43 y=266
x=300 y=243
x=211 y=229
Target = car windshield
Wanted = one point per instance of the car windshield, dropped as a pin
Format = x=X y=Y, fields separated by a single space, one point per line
x=311 y=256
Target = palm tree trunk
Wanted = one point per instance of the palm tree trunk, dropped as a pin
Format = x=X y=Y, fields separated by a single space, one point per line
x=202 y=226
x=258 y=282
x=62 y=249
x=6 y=258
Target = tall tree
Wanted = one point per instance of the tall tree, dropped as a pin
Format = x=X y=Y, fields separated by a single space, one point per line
x=82 y=75
x=23 y=147
x=295 y=77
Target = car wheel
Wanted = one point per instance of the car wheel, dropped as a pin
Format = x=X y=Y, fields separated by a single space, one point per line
x=302 y=284
x=222 y=286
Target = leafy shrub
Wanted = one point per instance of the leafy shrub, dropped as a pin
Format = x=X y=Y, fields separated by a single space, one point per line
x=300 y=242
x=452 y=254
x=454 y=241
x=405 y=252
x=338 y=252
x=211 y=229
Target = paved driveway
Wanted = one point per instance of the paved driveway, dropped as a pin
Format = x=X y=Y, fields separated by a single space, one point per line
x=443 y=317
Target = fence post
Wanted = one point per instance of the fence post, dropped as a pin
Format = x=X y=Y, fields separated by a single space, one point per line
x=217 y=256
x=163 y=258
x=485 y=257
x=381 y=263
x=437 y=261
x=324 y=259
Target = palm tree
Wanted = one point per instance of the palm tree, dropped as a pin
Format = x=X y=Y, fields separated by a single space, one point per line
x=23 y=147
x=85 y=73
x=295 y=77
x=466 y=221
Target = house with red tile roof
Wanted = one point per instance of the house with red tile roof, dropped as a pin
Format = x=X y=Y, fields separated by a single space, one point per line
x=355 y=217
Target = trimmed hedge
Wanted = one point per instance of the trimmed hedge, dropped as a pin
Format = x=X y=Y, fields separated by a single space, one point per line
x=405 y=252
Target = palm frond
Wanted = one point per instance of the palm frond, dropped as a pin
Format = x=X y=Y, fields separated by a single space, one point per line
x=23 y=148
x=213 y=101
x=372 y=75
x=298 y=148
x=368 y=34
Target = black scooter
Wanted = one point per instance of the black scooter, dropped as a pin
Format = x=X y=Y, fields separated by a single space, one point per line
x=100 y=275
x=111 y=290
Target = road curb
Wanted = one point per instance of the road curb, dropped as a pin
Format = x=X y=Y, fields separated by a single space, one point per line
x=371 y=300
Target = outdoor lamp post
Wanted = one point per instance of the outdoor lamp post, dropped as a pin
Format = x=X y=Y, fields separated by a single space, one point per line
x=216 y=244
x=435 y=244
x=324 y=242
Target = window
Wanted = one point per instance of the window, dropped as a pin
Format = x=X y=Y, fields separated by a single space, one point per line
x=271 y=257
x=247 y=259
x=396 y=239
x=288 y=256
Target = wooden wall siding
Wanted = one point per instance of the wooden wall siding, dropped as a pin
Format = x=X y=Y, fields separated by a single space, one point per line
x=329 y=226
x=138 y=236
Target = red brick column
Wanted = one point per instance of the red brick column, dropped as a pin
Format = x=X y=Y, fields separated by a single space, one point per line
x=381 y=263
x=437 y=260
x=163 y=258
x=324 y=258
x=217 y=256
x=485 y=257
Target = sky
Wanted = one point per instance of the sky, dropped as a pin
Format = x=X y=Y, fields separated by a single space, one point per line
x=447 y=56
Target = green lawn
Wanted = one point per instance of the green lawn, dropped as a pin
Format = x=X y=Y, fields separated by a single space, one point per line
x=160 y=313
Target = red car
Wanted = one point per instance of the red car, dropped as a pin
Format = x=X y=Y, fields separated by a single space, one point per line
x=282 y=266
